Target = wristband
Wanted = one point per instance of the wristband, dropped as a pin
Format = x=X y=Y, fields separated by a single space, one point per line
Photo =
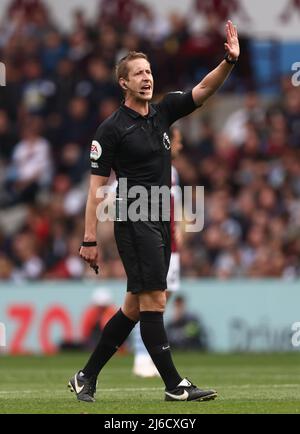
x=89 y=244
x=230 y=61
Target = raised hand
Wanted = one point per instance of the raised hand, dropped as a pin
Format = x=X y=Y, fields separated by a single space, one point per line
x=232 y=45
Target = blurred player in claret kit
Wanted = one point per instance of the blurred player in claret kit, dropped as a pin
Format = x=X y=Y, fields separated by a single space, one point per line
x=143 y=364
x=134 y=142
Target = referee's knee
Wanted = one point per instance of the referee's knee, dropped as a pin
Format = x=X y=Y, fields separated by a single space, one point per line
x=152 y=301
x=131 y=313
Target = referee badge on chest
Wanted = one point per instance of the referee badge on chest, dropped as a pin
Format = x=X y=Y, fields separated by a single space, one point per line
x=96 y=150
x=166 y=141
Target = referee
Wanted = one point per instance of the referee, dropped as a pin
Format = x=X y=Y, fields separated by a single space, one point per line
x=134 y=142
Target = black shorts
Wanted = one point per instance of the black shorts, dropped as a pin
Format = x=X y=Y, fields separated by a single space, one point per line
x=145 y=250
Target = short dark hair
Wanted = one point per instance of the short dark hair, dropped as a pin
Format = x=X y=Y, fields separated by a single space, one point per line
x=122 y=65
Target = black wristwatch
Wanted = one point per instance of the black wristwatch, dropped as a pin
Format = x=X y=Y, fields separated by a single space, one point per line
x=89 y=244
x=230 y=61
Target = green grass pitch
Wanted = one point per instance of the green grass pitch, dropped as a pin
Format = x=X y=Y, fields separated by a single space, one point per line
x=245 y=383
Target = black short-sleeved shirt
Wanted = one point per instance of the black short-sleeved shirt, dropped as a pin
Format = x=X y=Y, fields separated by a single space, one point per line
x=137 y=147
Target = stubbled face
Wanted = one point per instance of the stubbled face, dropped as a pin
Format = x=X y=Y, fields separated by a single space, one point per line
x=176 y=143
x=139 y=83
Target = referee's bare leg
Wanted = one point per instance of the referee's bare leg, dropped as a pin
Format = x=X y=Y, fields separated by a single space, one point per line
x=131 y=306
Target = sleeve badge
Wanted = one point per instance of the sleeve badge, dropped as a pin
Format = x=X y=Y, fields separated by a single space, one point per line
x=96 y=150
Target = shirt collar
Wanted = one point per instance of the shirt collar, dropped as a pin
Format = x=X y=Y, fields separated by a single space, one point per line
x=135 y=114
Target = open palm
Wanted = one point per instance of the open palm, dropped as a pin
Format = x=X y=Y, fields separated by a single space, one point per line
x=232 y=45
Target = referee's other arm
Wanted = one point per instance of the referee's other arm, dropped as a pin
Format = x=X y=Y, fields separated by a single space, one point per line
x=214 y=80
x=90 y=254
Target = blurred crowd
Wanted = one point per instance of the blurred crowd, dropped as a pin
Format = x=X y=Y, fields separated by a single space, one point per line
x=60 y=86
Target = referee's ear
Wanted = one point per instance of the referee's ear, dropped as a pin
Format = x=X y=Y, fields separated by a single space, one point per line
x=122 y=83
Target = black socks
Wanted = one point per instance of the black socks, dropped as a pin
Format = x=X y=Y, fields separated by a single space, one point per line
x=114 y=334
x=155 y=339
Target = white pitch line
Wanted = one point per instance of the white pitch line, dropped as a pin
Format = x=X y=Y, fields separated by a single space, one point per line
x=247 y=386
x=140 y=389
x=155 y=389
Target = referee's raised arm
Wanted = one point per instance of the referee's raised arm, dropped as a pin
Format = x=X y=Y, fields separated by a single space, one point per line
x=214 y=80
